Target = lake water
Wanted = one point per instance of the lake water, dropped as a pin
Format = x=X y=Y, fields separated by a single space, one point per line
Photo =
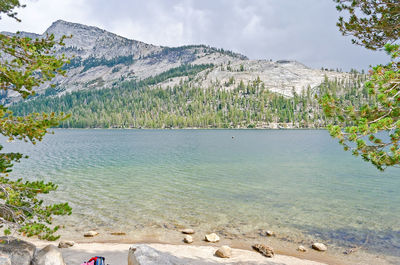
x=298 y=182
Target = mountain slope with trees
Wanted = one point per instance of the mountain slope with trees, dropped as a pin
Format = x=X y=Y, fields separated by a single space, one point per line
x=146 y=104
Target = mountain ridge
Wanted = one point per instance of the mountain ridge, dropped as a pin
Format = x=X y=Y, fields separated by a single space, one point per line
x=101 y=59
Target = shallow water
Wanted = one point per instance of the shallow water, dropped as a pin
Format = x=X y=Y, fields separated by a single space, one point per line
x=297 y=182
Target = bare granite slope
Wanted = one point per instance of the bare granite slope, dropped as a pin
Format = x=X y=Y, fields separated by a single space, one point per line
x=100 y=59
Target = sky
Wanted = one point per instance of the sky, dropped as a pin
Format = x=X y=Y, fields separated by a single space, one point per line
x=301 y=30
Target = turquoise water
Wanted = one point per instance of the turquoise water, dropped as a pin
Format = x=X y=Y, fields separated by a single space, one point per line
x=297 y=182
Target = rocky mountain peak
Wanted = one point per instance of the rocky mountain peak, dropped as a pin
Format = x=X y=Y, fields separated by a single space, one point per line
x=62 y=27
x=101 y=59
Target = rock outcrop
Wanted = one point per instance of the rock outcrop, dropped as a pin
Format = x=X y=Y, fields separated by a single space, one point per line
x=145 y=255
x=49 y=255
x=16 y=251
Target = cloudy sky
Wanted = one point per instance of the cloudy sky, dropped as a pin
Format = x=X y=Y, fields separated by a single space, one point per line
x=302 y=30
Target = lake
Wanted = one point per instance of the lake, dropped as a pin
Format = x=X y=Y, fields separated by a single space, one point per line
x=299 y=183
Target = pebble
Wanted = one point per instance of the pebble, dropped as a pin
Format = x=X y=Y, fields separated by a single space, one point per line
x=188 y=239
x=224 y=252
x=90 y=234
x=66 y=244
x=302 y=249
x=265 y=250
x=213 y=237
x=188 y=231
x=319 y=247
x=270 y=233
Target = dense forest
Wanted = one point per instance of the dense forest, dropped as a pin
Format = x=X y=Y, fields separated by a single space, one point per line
x=144 y=104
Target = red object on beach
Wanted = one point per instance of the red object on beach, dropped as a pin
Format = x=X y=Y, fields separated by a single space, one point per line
x=95 y=261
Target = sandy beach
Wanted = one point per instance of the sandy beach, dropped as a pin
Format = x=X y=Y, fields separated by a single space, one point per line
x=117 y=254
x=115 y=250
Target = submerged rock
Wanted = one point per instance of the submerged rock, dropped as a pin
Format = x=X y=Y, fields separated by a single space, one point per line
x=264 y=250
x=188 y=239
x=66 y=244
x=16 y=251
x=49 y=255
x=90 y=234
x=224 y=252
x=319 y=247
x=188 y=231
x=213 y=237
x=301 y=248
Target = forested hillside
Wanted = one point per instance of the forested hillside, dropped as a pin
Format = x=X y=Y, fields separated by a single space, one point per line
x=143 y=104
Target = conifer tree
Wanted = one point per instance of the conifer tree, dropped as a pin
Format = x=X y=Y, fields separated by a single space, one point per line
x=24 y=65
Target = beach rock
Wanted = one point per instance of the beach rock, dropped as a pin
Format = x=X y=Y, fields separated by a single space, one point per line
x=16 y=251
x=66 y=244
x=264 y=250
x=145 y=255
x=188 y=239
x=188 y=231
x=269 y=233
x=90 y=234
x=213 y=237
x=224 y=252
x=319 y=247
x=301 y=248
x=49 y=255
x=118 y=233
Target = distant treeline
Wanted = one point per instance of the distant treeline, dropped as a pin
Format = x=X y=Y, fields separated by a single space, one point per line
x=140 y=104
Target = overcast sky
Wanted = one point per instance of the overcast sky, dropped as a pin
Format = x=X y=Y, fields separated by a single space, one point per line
x=302 y=30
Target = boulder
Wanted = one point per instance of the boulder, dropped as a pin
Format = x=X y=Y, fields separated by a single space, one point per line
x=66 y=244
x=319 y=247
x=90 y=234
x=15 y=251
x=301 y=248
x=213 y=237
x=264 y=250
x=188 y=239
x=145 y=255
x=48 y=255
x=224 y=252
x=188 y=231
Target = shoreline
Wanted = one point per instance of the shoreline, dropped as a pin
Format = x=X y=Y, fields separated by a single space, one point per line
x=333 y=256
x=117 y=253
x=118 y=250
x=196 y=128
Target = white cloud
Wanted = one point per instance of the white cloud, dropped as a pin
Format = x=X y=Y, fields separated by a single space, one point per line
x=302 y=30
x=38 y=15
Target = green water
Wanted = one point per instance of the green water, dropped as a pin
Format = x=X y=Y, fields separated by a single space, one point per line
x=299 y=183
